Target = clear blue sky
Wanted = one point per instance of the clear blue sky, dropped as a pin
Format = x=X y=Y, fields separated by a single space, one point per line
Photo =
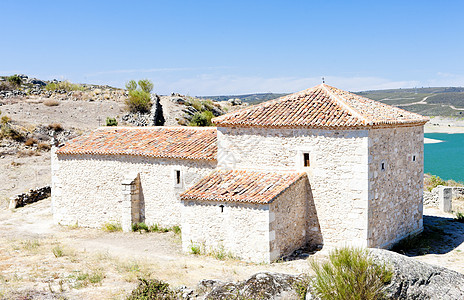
x=236 y=47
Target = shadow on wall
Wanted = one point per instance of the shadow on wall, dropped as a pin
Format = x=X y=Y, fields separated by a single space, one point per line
x=141 y=203
x=440 y=236
x=314 y=235
x=314 y=239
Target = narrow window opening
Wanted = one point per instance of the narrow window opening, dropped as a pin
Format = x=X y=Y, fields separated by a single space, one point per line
x=413 y=158
x=383 y=166
x=222 y=208
x=306 y=159
x=177 y=176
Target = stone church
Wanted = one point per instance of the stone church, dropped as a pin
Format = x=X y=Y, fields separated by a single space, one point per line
x=321 y=166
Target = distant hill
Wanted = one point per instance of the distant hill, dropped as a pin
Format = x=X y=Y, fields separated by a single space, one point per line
x=430 y=101
x=249 y=98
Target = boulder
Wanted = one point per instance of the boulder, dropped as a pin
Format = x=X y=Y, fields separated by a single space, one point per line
x=264 y=285
x=413 y=279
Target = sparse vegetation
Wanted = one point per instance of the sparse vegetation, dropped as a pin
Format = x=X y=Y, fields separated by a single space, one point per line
x=202 y=119
x=459 y=217
x=43 y=146
x=139 y=227
x=432 y=182
x=139 y=98
x=195 y=249
x=64 y=85
x=350 y=274
x=152 y=289
x=58 y=251
x=112 y=227
x=111 y=121
x=15 y=80
x=83 y=279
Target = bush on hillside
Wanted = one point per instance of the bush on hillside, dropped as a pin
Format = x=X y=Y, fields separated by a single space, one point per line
x=15 y=80
x=111 y=121
x=64 y=85
x=202 y=119
x=350 y=274
x=139 y=98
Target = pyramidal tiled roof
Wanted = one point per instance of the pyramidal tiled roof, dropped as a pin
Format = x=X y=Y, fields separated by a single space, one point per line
x=242 y=186
x=322 y=106
x=161 y=142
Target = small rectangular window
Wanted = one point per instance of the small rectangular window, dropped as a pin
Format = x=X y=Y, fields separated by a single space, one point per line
x=382 y=166
x=413 y=158
x=177 y=176
x=306 y=159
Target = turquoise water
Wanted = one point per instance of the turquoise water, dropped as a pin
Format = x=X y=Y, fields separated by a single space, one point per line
x=445 y=159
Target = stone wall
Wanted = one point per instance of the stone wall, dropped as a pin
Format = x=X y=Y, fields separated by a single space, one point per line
x=88 y=189
x=396 y=157
x=338 y=171
x=239 y=228
x=32 y=196
x=293 y=220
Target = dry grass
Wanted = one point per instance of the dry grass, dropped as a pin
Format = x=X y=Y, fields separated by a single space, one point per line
x=25 y=153
x=43 y=146
x=55 y=126
x=51 y=102
x=30 y=142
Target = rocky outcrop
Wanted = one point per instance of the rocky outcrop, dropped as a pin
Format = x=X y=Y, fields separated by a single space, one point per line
x=265 y=285
x=413 y=279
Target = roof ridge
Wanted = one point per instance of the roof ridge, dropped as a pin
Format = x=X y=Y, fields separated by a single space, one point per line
x=342 y=101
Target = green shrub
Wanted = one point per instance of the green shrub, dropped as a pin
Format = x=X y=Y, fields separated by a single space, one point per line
x=195 y=249
x=64 y=85
x=152 y=289
x=111 y=121
x=139 y=227
x=139 y=101
x=154 y=228
x=350 y=274
x=176 y=229
x=459 y=217
x=15 y=80
x=112 y=227
x=196 y=104
x=202 y=119
x=139 y=98
x=433 y=182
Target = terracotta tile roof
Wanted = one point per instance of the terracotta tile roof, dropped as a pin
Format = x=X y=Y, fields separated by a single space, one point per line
x=322 y=106
x=241 y=186
x=162 y=142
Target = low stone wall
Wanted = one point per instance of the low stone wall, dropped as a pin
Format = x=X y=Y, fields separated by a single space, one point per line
x=30 y=197
x=432 y=198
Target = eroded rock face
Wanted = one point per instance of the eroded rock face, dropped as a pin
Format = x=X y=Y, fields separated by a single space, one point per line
x=413 y=279
x=264 y=285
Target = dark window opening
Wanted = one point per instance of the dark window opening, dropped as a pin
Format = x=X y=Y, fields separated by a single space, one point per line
x=413 y=158
x=306 y=159
x=177 y=176
x=383 y=166
x=222 y=207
